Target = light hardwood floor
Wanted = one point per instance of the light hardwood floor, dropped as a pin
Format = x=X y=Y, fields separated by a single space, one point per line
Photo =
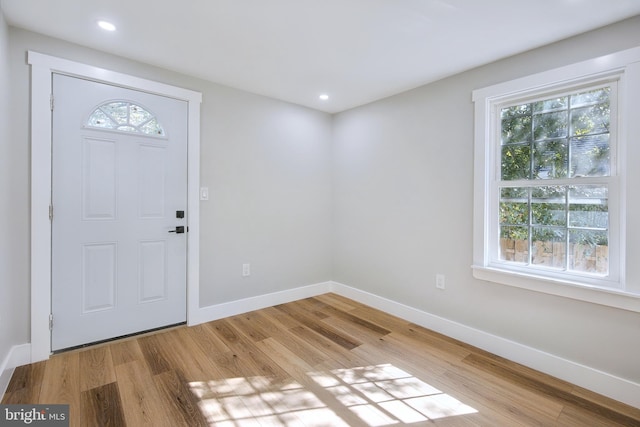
x=322 y=361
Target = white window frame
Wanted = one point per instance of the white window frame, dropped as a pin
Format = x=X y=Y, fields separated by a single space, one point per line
x=621 y=288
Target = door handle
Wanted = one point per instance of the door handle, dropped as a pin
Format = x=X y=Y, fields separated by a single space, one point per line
x=179 y=229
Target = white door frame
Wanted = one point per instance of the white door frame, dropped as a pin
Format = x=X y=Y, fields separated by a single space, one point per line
x=42 y=67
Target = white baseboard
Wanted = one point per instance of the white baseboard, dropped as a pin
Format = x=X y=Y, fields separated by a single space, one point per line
x=18 y=355
x=219 y=311
x=592 y=379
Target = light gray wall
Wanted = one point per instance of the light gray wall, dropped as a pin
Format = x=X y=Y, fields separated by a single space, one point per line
x=13 y=241
x=266 y=163
x=403 y=204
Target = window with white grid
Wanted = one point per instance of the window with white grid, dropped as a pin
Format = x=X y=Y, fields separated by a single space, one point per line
x=552 y=192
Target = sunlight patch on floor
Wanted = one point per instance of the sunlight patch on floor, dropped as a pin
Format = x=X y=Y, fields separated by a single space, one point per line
x=384 y=394
x=257 y=401
x=379 y=395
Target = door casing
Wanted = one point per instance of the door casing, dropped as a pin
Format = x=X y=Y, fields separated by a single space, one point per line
x=42 y=68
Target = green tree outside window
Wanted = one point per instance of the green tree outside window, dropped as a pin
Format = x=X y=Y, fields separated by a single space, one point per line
x=561 y=139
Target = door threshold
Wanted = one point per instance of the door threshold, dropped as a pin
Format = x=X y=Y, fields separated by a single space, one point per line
x=121 y=337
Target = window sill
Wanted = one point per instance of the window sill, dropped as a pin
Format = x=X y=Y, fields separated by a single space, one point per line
x=609 y=297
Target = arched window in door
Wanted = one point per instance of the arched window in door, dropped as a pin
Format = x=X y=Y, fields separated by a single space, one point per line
x=125 y=116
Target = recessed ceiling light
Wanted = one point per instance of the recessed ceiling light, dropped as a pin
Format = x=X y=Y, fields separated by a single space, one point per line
x=107 y=26
x=324 y=97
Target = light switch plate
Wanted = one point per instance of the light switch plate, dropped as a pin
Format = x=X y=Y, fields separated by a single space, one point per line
x=204 y=193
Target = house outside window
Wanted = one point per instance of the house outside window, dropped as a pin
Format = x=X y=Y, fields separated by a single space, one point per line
x=551 y=180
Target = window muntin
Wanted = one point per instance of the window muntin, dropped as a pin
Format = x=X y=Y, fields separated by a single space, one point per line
x=560 y=137
x=125 y=116
x=551 y=192
x=561 y=227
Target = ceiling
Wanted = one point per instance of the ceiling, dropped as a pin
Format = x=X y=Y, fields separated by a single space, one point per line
x=356 y=51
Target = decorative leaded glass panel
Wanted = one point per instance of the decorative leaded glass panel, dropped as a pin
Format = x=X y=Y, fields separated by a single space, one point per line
x=125 y=116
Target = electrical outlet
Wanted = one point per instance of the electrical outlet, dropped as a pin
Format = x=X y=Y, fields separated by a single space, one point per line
x=440 y=281
x=246 y=270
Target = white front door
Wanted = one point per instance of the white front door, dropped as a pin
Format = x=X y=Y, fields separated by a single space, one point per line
x=119 y=184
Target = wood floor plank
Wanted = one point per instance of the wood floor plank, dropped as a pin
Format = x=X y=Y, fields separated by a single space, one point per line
x=327 y=349
x=517 y=373
x=142 y=403
x=350 y=318
x=588 y=398
x=281 y=318
x=519 y=403
x=312 y=307
x=543 y=385
x=101 y=406
x=269 y=322
x=224 y=389
x=125 y=351
x=231 y=365
x=25 y=384
x=96 y=368
x=242 y=359
x=362 y=333
x=152 y=350
x=396 y=345
x=300 y=372
x=337 y=301
x=226 y=333
x=386 y=320
x=436 y=378
x=196 y=353
x=516 y=404
x=61 y=384
x=206 y=338
x=176 y=349
x=445 y=346
x=326 y=331
x=180 y=399
x=256 y=326
x=572 y=416
x=324 y=360
x=256 y=361
x=297 y=341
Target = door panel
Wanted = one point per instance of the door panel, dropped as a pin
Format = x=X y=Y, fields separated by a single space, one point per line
x=98 y=179
x=116 y=269
x=151 y=177
x=98 y=277
x=152 y=280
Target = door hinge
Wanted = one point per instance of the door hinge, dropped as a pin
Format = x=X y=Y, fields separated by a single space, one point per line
x=50 y=212
x=51 y=322
x=51 y=101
